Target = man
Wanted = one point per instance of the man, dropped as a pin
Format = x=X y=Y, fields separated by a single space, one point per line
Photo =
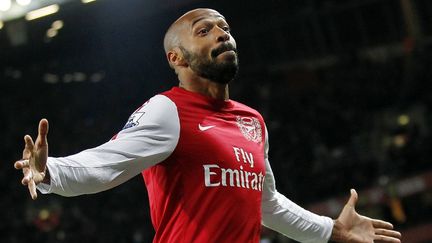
x=204 y=157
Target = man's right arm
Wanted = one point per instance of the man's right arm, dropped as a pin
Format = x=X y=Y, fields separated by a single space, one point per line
x=149 y=137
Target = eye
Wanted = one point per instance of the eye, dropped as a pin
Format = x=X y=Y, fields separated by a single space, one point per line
x=226 y=28
x=203 y=31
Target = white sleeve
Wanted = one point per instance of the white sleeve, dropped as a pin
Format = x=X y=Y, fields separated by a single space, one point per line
x=286 y=217
x=149 y=137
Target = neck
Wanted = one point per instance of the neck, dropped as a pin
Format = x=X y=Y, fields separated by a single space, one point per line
x=205 y=87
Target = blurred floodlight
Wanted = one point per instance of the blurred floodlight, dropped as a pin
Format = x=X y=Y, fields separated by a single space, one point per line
x=5 y=5
x=44 y=214
x=403 y=120
x=51 y=78
x=38 y=13
x=400 y=140
x=51 y=33
x=58 y=24
x=23 y=2
x=79 y=76
x=87 y=1
x=1 y=25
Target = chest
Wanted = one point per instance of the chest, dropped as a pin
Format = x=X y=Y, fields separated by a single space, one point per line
x=221 y=140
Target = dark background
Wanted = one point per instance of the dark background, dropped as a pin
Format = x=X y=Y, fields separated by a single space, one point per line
x=344 y=86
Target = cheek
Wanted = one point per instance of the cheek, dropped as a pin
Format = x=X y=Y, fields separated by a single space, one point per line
x=233 y=41
x=203 y=51
x=200 y=47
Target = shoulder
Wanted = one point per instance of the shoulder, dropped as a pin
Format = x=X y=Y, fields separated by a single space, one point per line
x=158 y=109
x=158 y=102
x=243 y=107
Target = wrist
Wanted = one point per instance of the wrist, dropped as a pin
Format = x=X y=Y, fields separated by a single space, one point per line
x=339 y=233
x=47 y=178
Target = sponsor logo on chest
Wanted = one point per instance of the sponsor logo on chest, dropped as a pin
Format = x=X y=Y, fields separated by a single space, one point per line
x=243 y=176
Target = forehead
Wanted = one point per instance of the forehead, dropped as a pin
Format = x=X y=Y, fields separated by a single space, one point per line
x=210 y=16
x=195 y=16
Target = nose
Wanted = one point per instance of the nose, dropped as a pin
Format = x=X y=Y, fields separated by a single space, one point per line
x=222 y=35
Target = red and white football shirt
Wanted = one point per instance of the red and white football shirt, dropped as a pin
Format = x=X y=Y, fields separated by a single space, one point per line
x=209 y=189
x=206 y=170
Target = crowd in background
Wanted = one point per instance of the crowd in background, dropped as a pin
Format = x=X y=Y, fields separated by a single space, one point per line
x=350 y=122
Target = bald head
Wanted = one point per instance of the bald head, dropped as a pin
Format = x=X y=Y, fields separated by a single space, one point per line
x=198 y=45
x=173 y=35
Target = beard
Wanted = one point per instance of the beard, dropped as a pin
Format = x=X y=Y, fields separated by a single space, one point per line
x=221 y=72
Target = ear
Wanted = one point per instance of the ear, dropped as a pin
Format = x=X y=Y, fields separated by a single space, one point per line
x=175 y=58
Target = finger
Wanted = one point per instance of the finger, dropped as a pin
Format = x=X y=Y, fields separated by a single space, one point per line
x=353 y=198
x=381 y=224
x=42 y=133
x=386 y=239
x=32 y=189
x=21 y=164
x=28 y=148
x=390 y=233
x=27 y=176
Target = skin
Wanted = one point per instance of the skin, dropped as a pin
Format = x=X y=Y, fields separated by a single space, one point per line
x=200 y=32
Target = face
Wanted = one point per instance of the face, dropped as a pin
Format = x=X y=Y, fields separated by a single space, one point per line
x=208 y=47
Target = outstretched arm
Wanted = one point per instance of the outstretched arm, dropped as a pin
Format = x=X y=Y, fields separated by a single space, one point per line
x=286 y=217
x=148 y=138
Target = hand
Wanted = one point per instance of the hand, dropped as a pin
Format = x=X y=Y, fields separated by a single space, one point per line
x=34 y=158
x=350 y=227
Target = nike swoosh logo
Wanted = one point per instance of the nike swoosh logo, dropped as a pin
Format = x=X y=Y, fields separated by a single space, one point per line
x=204 y=128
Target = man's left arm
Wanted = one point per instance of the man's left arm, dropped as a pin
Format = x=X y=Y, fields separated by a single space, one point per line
x=286 y=217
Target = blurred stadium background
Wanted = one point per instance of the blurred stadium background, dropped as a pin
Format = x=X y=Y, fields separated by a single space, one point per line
x=344 y=85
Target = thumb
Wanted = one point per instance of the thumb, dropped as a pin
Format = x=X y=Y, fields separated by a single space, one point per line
x=42 y=132
x=353 y=198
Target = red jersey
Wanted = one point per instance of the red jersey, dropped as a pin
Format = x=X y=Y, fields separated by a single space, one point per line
x=209 y=189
